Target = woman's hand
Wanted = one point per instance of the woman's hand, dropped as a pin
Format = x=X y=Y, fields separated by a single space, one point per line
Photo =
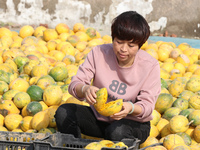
x=89 y=93
x=126 y=108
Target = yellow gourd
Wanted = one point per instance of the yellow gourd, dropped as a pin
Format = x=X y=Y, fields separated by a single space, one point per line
x=12 y=121
x=8 y=107
x=106 y=109
x=40 y=120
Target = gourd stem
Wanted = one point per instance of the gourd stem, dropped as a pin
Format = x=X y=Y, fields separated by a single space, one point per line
x=190 y=122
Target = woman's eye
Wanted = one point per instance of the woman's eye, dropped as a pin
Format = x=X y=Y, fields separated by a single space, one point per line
x=119 y=42
x=131 y=45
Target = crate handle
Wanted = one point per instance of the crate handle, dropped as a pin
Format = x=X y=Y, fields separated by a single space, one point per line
x=151 y=146
x=46 y=137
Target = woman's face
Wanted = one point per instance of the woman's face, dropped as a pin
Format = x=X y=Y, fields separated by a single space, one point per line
x=125 y=51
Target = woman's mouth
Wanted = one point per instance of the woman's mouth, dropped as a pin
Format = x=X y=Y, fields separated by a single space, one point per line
x=122 y=56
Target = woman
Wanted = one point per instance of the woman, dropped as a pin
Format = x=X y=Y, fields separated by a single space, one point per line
x=127 y=73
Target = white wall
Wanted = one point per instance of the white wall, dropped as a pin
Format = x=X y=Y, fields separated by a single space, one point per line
x=73 y=11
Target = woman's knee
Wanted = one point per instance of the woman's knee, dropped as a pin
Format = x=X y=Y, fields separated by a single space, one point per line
x=63 y=112
x=60 y=111
x=123 y=129
x=115 y=133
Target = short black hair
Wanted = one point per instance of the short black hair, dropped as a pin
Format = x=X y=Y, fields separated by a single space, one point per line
x=130 y=26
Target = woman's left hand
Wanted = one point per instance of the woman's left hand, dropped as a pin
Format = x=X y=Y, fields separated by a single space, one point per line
x=126 y=108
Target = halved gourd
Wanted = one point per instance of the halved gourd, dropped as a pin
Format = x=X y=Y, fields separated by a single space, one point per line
x=107 y=109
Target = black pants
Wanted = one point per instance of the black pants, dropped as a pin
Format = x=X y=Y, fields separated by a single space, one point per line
x=76 y=119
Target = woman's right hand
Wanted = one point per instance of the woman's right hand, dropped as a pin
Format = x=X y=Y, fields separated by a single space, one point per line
x=89 y=93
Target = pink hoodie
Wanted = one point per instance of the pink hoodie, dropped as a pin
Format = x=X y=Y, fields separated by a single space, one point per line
x=139 y=83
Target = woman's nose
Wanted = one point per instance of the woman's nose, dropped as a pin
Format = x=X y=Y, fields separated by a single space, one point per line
x=123 y=47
